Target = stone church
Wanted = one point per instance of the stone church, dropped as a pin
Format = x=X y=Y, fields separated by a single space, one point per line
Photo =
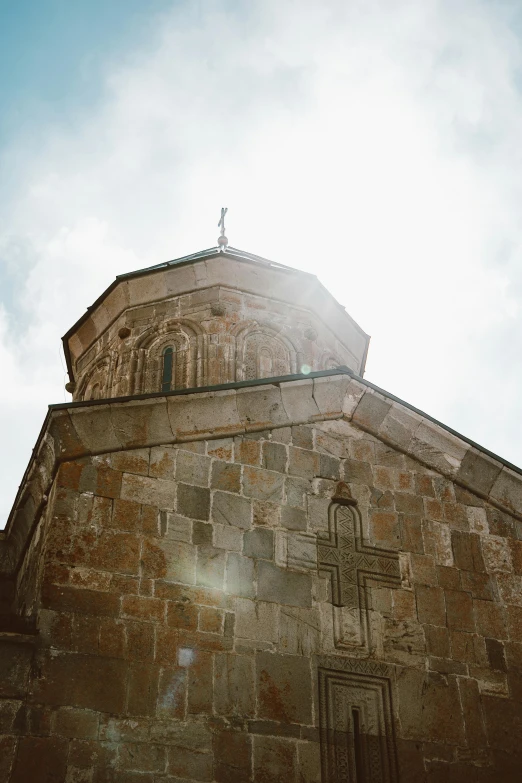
x=233 y=559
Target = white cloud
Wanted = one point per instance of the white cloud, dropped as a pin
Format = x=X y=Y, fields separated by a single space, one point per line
x=375 y=144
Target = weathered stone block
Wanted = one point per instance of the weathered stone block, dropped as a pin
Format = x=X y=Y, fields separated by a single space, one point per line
x=210 y=568
x=69 y=599
x=263 y=484
x=510 y=587
x=438 y=448
x=329 y=467
x=259 y=543
x=234 y=684
x=115 y=552
x=275 y=456
x=180 y=561
x=301 y=551
x=496 y=655
x=162 y=462
x=467 y=551
x=228 y=537
x=247 y=451
x=357 y=472
x=193 y=735
x=303 y=462
x=371 y=411
x=261 y=406
x=132 y=461
x=143 y=608
x=298 y=400
x=70 y=722
x=152 y=491
x=204 y=414
x=7 y=755
x=295 y=491
x=299 y=631
x=182 y=615
x=459 y=610
x=211 y=620
x=497 y=554
x=490 y=619
x=190 y=764
x=226 y=476
x=15 y=663
x=177 y=528
x=221 y=448
x=192 y=468
x=293 y=518
x=275 y=760
x=438 y=543
x=88 y=681
x=303 y=437
x=193 y=502
x=141 y=757
x=472 y=713
x=429 y=706
x=329 y=394
x=282 y=586
x=40 y=758
x=200 y=678
x=172 y=693
x=201 y=532
x=399 y=425
x=479 y=471
x=256 y=620
x=228 y=509
x=284 y=687
x=126 y=515
x=240 y=576
x=140 y=641
x=385 y=530
x=233 y=757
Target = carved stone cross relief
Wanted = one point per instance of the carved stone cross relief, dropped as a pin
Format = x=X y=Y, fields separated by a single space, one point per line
x=352 y=563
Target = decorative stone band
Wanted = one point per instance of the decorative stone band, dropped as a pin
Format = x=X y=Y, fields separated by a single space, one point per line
x=75 y=430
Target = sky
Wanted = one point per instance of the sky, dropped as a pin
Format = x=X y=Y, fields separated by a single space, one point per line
x=375 y=143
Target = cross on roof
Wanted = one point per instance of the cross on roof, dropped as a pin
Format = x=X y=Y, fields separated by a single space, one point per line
x=222 y=240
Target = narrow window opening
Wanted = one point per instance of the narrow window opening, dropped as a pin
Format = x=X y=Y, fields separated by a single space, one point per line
x=265 y=363
x=360 y=777
x=168 y=357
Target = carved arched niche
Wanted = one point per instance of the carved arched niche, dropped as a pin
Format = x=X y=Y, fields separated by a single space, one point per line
x=262 y=352
x=95 y=384
x=168 y=360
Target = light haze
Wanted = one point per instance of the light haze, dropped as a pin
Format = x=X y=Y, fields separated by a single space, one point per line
x=375 y=144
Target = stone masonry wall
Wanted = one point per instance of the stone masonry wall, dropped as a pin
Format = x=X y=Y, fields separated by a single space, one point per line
x=187 y=631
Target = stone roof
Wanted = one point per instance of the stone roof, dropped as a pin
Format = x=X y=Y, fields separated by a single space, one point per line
x=76 y=430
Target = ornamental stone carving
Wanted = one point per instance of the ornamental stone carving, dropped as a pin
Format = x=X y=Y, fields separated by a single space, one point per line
x=214 y=318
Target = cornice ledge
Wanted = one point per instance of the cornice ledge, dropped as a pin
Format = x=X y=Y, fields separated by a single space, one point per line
x=82 y=430
x=435 y=446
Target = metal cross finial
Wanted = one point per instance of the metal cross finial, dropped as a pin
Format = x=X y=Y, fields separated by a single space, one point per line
x=222 y=240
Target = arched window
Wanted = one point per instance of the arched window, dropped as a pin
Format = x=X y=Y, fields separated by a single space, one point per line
x=266 y=363
x=168 y=367
x=171 y=366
